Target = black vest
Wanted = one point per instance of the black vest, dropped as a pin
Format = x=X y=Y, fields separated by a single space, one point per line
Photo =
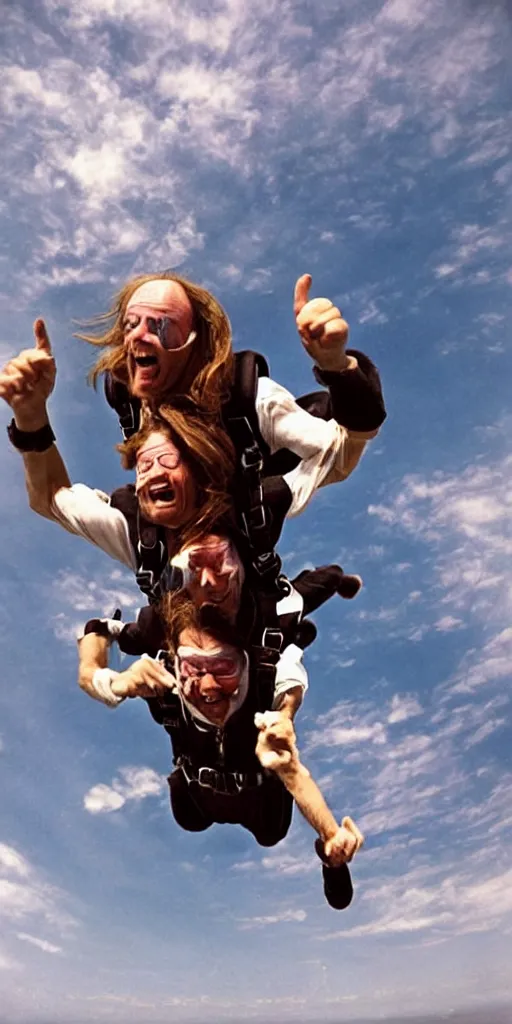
x=231 y=748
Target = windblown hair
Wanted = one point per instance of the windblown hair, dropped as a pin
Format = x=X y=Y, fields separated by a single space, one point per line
x=210 y=371
x=208 y=452
x=178 y=612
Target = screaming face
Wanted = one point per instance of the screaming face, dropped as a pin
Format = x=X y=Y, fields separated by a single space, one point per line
x=213 y=574
x=210 y=675
x=164 y=484
x=158 y=337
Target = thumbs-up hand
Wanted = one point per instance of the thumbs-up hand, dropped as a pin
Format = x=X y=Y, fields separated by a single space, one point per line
x=323 y=330
x=28 y=380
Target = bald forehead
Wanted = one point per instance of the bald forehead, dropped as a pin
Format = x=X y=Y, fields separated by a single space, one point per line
x=169 y=296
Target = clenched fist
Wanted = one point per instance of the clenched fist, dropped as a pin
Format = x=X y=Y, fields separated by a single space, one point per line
x=323 y=330
x=276 y=747
x=145 y=678
x=343 y=846
x=27 y=381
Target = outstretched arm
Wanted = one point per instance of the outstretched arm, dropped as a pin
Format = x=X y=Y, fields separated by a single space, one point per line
x=144 y=678
x=277 y=750
x=26 y=383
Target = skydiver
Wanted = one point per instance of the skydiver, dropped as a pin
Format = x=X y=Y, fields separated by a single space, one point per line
x=222 y=734
x=171 y=343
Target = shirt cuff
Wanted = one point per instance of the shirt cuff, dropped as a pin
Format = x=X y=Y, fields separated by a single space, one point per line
x=102 y=685
x=325 y=376
x=290 y=671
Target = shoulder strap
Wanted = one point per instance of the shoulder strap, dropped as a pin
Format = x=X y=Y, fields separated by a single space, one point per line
x=125 y=405
x=148 y=542
x=241 y=421
x=151 y=558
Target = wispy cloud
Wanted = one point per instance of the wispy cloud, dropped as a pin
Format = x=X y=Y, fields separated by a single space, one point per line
x=42 y=944
x=82 y=597
x=26 y=896
x=465 y=518
x=282 y=917
x=454 y=904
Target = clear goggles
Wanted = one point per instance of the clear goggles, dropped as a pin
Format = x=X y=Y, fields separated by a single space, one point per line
x=167 y=460
x=192 y=664
x=161 y=327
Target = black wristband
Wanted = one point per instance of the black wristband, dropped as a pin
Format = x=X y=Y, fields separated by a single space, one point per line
x=356 y=395
x=31 y=440
x=98 y=627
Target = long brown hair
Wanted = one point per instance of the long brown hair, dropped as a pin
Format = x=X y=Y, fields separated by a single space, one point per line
x=178 y=613
x=210 y=456
x=209 y=374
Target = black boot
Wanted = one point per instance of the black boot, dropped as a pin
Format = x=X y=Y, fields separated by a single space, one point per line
x=338 y=889
x=349 y=586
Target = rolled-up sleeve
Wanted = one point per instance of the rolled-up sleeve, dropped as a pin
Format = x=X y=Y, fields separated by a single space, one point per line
x=290 y=672
x=320 y=444
x=87 y=513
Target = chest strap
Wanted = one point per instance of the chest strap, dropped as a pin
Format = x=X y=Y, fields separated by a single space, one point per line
x=227 y=783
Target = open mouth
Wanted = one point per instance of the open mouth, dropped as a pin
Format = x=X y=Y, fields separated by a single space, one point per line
x=161 y=493
x=145 y=361
x=215 y=597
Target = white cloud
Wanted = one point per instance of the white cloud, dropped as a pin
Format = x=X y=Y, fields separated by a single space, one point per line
x=283 y=917
x=133 y=783
x=27 y=896
x=371 y=314
x=122 y=146
x=46 y=947
x=337 y=729
x=92 y=598
x=465 y=518
x=102 y=799
x=447 y=623
x=454 y=904
x=403 y=707
x=470 y=244
x=13 y=861
x=491 y=663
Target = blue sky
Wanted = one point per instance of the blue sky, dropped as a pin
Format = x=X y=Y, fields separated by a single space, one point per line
x=246 y=144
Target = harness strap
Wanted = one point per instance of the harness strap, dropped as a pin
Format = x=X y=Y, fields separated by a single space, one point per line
x=227 y=783
x=242 y=421
x=151 y=557
x=125 y=405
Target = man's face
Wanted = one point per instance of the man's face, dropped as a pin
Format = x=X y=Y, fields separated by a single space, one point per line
x=158 y=337
x=208 y=673
x=164 y=483
x=214 y=574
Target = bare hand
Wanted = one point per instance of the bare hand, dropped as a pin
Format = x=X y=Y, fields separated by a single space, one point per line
x=276 y=746
x=28 y=380
x=145 y=678
x=344 y=845
x=323 y=330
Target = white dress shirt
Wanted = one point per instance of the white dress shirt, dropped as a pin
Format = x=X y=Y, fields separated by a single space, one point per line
x=320 y=444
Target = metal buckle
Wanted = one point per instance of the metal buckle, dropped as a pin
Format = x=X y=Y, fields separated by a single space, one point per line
x=145 y=579
x=210 y=778
x=127 y=421
x=252 y=458
x=266 y=563
x=272 y=638
x=254 y=519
